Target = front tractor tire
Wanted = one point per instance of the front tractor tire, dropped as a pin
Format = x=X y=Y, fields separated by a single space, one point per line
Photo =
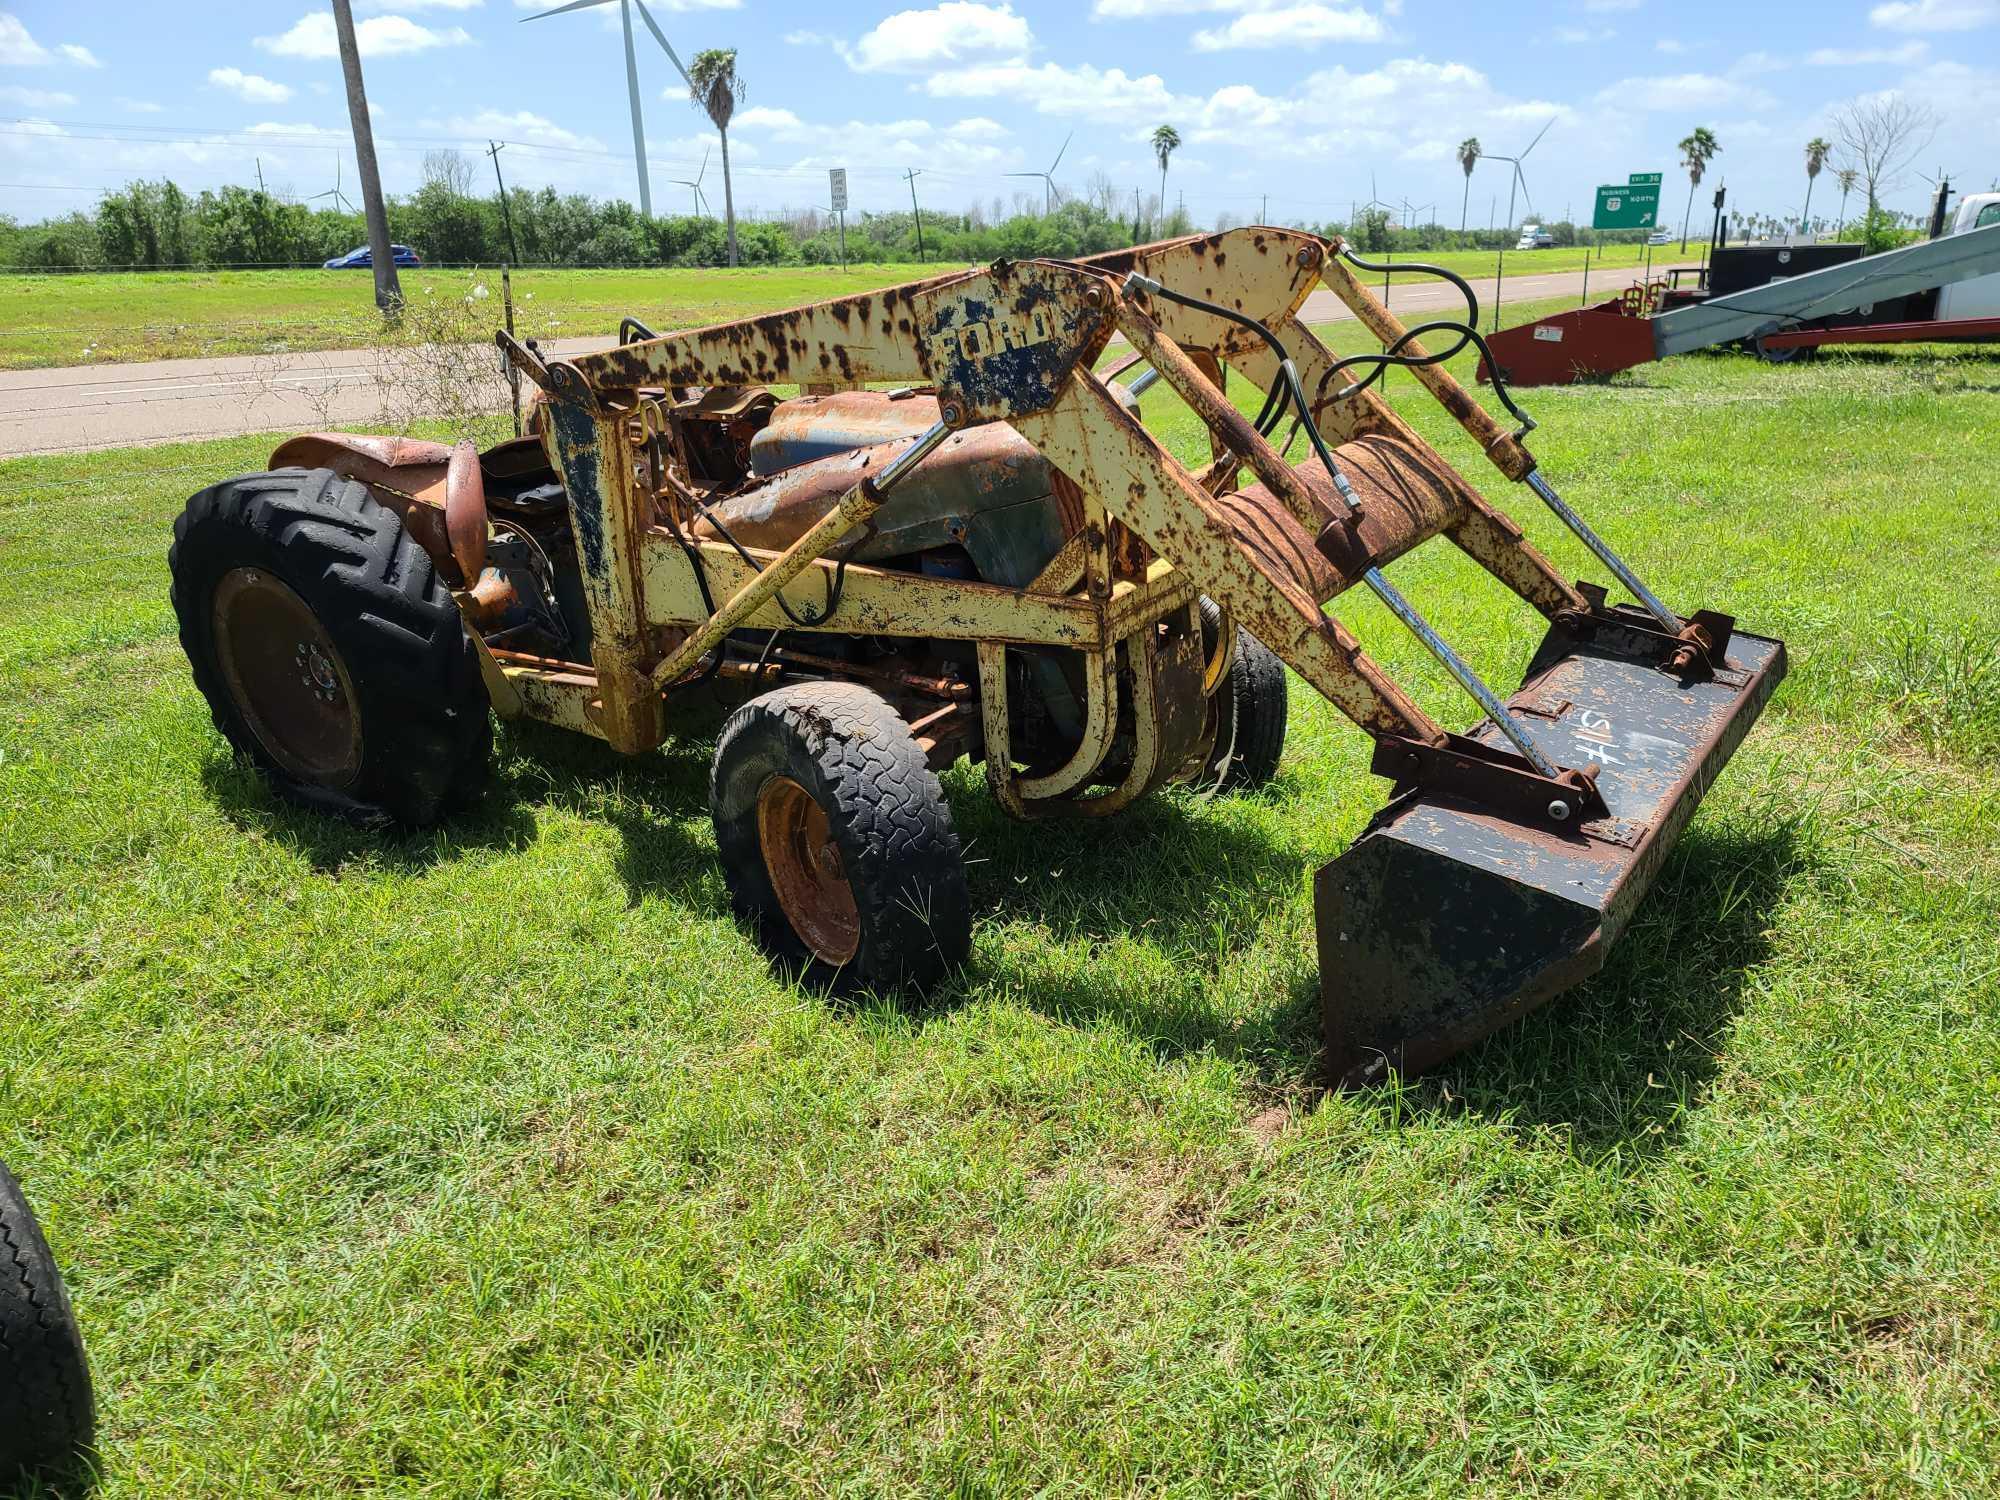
x=1250 y=707
x=836 y=840
x=332 y=656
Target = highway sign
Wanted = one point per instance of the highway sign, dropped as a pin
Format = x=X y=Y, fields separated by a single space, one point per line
x=837 y=181
x=1635 y=205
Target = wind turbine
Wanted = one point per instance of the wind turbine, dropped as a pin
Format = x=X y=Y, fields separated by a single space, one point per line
x=1520 y=179
x=700 y=203
x=1051 y=193
x=631 y=78
x=339 y=198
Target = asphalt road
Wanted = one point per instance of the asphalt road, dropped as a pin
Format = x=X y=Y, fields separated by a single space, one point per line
x=78 y=408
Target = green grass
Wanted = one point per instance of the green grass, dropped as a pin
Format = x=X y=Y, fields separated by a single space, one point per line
x=495 y=1161
x=105 y=318
x=111 y=318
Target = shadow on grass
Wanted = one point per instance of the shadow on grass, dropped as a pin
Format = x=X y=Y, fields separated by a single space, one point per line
x=501 y=819
x=1195 y=888
x=1622 y=1060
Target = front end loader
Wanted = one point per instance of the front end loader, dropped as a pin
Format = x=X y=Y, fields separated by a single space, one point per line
x=959 y=539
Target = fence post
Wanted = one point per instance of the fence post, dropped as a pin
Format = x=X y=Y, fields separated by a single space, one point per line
x=513 y=375
x=1499 y=277
x=1586 y=279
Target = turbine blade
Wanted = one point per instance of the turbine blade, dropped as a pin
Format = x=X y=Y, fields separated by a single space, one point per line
x=573 y=5
x=1059 y=155
x=1539 y=134
x=661 y=37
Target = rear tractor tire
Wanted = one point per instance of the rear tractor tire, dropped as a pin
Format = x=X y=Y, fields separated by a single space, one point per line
x=331 y=654
x=836 y=840
x=47 y=1416
x=1250 y=705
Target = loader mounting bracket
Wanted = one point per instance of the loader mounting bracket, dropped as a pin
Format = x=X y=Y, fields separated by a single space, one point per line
x=1492 y=779
x=1694 y=654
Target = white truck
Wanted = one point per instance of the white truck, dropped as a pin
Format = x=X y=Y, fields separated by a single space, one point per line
x=1979 y=297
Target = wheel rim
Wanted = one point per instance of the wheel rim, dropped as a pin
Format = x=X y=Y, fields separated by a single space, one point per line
x=806 y=870
x=286 y=677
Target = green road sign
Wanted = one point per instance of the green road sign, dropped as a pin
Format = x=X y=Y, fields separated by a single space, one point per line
x=1635 y=205
x=1644 y=179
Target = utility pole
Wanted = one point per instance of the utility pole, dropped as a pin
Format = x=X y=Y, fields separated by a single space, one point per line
x=1264 y=212
x=912 y=175
x=388 y=290
x=506 y=211
x=260 y=172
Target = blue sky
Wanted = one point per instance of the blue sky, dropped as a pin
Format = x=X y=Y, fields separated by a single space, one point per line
x=1314 y=104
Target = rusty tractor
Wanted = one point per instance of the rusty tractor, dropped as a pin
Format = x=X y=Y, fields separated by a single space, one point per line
x=958 y=539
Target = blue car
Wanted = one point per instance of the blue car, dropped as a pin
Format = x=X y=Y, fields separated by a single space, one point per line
x=358 y=259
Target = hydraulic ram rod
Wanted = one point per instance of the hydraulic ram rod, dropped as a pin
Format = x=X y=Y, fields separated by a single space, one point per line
x=855 y=509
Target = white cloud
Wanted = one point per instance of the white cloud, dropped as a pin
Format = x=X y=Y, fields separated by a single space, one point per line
x=312 y=37
x=249 y=87
x=83 y=57
x=1083 y=91
x=1683 y=91
x=763 y=117
x=954 y=32
x=1936 y=15
x=1672 y=46
x=1908 y=54
x=1294 y=26
x=36 y=98
x=521 y=126
x=17 y=48
x=141 y=106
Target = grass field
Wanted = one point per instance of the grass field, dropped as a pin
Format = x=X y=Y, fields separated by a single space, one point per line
x=112 y=318
x=496 y=1162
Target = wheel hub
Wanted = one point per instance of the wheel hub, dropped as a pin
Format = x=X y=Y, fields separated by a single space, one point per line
x=806 y=870
x=286 y=677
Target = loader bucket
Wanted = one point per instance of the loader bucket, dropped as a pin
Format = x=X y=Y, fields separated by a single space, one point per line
x=1442 y=922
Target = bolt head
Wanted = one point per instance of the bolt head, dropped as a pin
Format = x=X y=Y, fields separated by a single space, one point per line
x=1559 y=810
x=950 y=413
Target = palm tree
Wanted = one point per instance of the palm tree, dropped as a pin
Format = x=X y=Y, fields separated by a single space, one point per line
x=1697 y=151
x=717 y=89
x=1818 y=149
x=1846 y=177
x=1165 y=139
x=1468 y=158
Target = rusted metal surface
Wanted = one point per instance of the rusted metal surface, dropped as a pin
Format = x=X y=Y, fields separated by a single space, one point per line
x=286 y=676
x=1446 y=920
x=1091 y=437
x=806 y=870
x=995 y=342
x=405 y=474
x=608 y=516
x=1584 y=343
x=873 y=601
x=465 y=510
x=814 y=427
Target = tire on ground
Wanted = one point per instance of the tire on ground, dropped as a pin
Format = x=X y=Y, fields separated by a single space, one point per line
x=47 y=1416
x=1250 y=704
x=877 y=816
x=395 y=726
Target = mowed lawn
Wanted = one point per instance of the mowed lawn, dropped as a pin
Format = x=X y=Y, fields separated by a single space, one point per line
x=495 y=1161
x=113 y=318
